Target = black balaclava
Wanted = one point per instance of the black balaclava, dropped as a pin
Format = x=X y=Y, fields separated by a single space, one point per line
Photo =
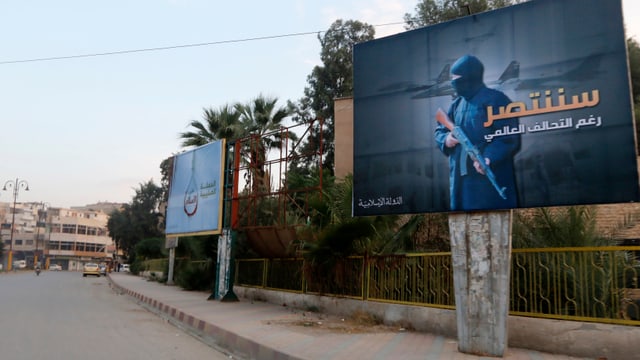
x=466 y=75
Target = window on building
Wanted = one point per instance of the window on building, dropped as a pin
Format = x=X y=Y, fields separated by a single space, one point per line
x=82 y=229
x=68 y=228
x=7 y=242
x=54 y=245
x=28 y=242
x=55 y=228
x=66 y=245
x=18 y=242
x=92 y=231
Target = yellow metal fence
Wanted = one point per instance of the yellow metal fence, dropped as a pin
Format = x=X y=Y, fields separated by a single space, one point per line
x=597 y=284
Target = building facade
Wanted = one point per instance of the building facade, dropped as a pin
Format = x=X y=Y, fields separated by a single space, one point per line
x=68 y=237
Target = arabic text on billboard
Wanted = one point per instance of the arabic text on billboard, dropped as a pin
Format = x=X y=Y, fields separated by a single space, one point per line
x=195 y=197
x=525 y=106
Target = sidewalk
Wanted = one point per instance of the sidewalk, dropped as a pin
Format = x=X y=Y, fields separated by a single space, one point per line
x=259 y=330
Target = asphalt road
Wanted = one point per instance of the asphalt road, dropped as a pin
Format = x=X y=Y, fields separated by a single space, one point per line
x=61 y=315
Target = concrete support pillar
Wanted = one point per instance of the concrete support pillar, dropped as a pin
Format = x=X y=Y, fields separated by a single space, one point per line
x=172 y=260
x=481 y=255
x=223 y=290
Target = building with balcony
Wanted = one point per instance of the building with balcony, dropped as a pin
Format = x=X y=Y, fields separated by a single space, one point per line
x=68 y=237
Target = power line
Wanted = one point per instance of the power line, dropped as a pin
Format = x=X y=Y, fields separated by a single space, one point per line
x=163 y=48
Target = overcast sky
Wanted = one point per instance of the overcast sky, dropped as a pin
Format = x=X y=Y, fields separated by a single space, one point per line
x=82 y=130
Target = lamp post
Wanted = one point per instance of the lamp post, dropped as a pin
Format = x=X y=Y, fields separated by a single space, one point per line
x=15 y=185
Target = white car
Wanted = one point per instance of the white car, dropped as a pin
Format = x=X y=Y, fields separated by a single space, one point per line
x=103 y=269
x=124 y=268
x=55 y=267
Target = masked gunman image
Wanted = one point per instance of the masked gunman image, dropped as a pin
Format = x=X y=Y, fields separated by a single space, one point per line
x=462 y=136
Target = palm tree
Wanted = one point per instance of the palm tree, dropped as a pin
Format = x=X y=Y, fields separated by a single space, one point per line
x=217 y=124
x=262 y=120
x=260 y=116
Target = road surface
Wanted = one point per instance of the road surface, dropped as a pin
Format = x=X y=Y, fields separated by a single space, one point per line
x=62 y=315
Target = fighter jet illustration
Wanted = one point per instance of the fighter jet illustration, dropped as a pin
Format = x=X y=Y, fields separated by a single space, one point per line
x=409 y=87
x=557 y=75
x=507 y=78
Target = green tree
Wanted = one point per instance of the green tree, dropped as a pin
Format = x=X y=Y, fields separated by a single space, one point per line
x=166 y=172
x=329 y=81
x=150 y=248
x=119 y=225
x=431 y=12
x=138 y=220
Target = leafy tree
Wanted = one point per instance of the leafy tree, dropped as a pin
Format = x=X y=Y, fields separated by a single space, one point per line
x=145 y=207
x=198 y=247
x=150 y=248
x=138 y=220
x=146 y=249
x=431 y=12
x=166 y=171
x=118 y=225
x=329 y=81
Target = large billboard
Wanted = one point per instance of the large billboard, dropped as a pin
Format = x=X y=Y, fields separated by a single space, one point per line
x=195 y=195
x=539 y=91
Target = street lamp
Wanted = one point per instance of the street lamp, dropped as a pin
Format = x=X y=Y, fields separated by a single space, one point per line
x=15 y=185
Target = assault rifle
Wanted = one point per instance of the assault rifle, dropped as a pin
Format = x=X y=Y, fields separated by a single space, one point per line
x=473 y=151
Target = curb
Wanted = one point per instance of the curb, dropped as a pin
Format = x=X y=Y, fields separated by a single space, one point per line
x=230 y=343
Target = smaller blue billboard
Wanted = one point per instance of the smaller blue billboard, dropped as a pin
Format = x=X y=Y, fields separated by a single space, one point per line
x=195 y=194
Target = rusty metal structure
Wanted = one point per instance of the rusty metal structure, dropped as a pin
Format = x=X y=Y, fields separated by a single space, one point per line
x=260 y=201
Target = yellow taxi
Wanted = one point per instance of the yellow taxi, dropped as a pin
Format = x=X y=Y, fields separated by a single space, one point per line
x=91 y=269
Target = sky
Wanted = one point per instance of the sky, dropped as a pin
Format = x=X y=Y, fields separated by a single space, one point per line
x=87 y=129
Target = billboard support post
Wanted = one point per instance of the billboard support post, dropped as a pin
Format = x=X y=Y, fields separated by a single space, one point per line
x=171 y=243
x=172 y=259
x=225 y=266
x=481 y=256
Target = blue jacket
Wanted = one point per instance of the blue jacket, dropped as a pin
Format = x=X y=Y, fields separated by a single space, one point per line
x=468 y=189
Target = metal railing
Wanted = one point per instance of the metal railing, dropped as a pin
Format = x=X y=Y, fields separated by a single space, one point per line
x=596 y=284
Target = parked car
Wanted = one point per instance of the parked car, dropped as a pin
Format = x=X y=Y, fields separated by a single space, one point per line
x=103 y=269
x=91 y=269
x=124 y=268
x=55 y=267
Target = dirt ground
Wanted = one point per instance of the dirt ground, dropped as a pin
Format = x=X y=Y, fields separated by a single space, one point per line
x=317 y=323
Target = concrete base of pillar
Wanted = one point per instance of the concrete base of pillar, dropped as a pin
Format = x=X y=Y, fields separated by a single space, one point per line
x=481 y=256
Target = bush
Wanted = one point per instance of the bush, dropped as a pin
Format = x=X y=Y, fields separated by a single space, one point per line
x=195 y=276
